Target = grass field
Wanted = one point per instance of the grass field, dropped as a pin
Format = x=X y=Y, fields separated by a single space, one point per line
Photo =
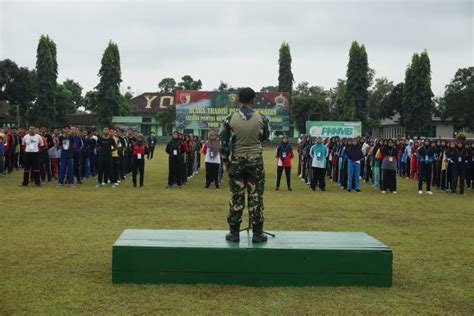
x=56 y=243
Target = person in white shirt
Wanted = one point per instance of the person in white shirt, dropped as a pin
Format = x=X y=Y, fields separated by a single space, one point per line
x=32 y=141
x=211 y=150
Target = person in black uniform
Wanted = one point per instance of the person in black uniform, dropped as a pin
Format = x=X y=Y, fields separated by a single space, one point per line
x=105 y=145
x=175 y=151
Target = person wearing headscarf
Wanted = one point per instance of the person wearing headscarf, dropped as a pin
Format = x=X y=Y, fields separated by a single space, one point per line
x=470 y=178
x=175 y=150
x=426 y=156
x=284 y=155
x=355 y=156
x=211 y=151
x=459 y=157
x=140 y=148
x=318 y=153
x=389 y=167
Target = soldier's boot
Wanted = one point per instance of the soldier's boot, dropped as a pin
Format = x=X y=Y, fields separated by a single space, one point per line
x=234 y=233
x=258 y=235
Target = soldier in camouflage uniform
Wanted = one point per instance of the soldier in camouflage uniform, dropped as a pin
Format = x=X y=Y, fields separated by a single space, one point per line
x=242 y=135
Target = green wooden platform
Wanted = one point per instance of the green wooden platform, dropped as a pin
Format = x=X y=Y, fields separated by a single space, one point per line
x=292 y=258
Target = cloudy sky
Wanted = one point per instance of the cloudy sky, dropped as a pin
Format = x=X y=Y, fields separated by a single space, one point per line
x=238 y=42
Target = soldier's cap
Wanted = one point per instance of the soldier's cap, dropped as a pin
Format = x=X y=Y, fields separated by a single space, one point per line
x=246 y=95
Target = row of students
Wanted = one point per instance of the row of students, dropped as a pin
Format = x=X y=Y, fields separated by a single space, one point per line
x=184 y=158
x=73 y=154
x=380 y=161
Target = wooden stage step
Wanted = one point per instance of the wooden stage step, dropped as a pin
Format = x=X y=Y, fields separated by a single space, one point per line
x=292 y=258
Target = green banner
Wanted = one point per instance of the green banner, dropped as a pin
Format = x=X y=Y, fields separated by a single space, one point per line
x=207 y=109
x=331 y=128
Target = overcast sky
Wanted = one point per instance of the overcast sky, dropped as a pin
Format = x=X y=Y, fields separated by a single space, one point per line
x=238 y=42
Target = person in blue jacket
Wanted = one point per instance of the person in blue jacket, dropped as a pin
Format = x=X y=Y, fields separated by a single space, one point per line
x=425 y=156
x=318 y=155
x=354 y=157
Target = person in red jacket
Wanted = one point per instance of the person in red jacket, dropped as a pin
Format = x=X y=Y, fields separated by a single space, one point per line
x=139 y=149
x=10 y=143
x=284 y=154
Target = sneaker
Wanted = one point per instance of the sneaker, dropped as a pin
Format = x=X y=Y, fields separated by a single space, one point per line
x=420 y=192
x=358 y=191
x=103 y=183
x=114 y=186
x=72 y=186
x=277 y=189
x=394 y=192
x=429 y=192
x=290 y=189
x=179 y=187
x=348 y=190
x=98 y=185
x=383 y=192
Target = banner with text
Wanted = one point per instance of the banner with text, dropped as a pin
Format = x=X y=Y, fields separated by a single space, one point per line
x=326 y=129
x=207 y=109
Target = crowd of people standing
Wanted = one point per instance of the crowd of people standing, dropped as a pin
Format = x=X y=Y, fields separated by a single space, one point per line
x=444 y=164
x=70 y=156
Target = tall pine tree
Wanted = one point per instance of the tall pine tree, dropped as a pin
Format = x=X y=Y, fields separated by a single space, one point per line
x=45 y=112
x=357 y=84
x=285 y=76
x=109 y=99
x=417 y=104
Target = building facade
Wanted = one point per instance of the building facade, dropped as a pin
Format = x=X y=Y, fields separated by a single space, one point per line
x=144 y=115
x=390 y=128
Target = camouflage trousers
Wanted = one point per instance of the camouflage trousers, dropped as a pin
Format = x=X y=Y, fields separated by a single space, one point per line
x=246 y=174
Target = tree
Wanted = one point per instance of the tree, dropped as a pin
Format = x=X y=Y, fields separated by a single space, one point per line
x=167 y=117
x=285 y=76
x=417 y=104
x=269 y=89
x=188 y=83
x=76 y=98
x=64 y=103
x=358 y=81
x=128 y=94
x=109 y=99
x=392 y=103
x=45 y=111
x=337 y=98
x=18 y=87
x=309 y=103
x=223 y=86
x=167 y=85
x=90 y=101
x=8 y=73
x=458 y=101
x=125 y=106
x=375 y=103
